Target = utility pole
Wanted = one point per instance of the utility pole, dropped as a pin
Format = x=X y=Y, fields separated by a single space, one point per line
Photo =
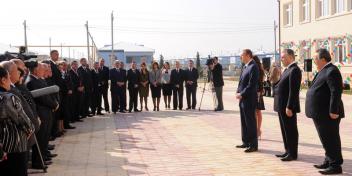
x=279 y=4
x=112 y=38
x=88 y=41
x=49 y=44
x=25 y=36
x=275 y=49
x=69 y=54
x=61 y=52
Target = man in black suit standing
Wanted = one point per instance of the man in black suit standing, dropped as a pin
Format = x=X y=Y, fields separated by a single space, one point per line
x=104 y=86
x=124 y=72
x=77 y=90
x=286 y=104
x=96 y=96
x=118 y=86
x=176 y=79
x=218 y=82
x=45 y=106
x=133 y=86
x=324 y=105
x=247 y=95
x=191 y=77
x=85 y=76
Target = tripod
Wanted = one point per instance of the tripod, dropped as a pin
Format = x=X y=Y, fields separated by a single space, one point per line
x=206 y=78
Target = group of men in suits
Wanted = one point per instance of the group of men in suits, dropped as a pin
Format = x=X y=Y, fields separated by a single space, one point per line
x=178 y=78
x=130 y=79
x=323 y=104
x=80 y=95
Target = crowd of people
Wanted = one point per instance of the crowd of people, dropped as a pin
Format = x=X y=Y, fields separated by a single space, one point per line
x=28 y=123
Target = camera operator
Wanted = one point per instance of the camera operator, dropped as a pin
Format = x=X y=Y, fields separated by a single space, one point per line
x=218 y=81
x=16 y=129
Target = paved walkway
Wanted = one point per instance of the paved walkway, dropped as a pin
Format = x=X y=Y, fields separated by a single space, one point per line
x=189 y=143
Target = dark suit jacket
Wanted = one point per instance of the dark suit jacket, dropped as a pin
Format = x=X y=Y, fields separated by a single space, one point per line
x=75 y=80
x=191 y=76
x=45 y=104
x=96 y=80
x=133 y=78
x=117 y=75
x=85 y=76
x=287 y=90
x=56 y=78
x=248 y=84
x=218 y=79
x=104 y=76
x=177 y=78
x=324 y=95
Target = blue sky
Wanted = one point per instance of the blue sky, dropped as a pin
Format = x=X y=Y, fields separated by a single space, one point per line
x=174 y=28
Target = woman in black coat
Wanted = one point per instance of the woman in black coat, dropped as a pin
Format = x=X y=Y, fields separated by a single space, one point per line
x=17 y=128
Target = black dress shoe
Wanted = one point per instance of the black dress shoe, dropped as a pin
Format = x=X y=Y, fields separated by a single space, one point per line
x=289 y=158
x=331 y=171
x=136 y=110
x=321 y=166
x=90 y=115
x=251 y=149
x=122 y=111
x=242 y=146
x=99 y=113
x=282 y=155
x=79 y=120
x=48 y=162
x=51 y=147
x=51 y=155
x=70 y=127
x=47 y=159
x=188 y=108
x=38 y=166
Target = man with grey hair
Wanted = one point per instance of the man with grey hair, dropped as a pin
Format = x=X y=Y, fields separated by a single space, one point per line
x=286 y=104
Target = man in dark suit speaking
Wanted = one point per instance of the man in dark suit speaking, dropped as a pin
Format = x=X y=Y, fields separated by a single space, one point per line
x=325 y=107
x=286 y=104
x=247 y=95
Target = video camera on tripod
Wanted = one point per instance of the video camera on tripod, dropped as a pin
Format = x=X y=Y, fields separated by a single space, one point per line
x=208 y=78
x=20 y=55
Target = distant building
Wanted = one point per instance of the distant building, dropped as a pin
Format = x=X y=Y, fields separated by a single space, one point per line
x=307 y=25
x=127 y=52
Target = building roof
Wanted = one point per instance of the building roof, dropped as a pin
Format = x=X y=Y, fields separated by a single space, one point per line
x=127 y=47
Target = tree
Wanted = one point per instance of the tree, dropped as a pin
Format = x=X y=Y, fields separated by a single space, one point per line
x=199 y=68
x=161 y=61
x=198 y=61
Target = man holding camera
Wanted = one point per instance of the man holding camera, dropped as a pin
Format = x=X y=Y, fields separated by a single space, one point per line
x=218 y=82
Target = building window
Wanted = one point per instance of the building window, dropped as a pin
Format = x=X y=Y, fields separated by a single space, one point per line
x=288 y=14
x=322 y=8
x=340 y=54
x=338 y=6
x=305 y=10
